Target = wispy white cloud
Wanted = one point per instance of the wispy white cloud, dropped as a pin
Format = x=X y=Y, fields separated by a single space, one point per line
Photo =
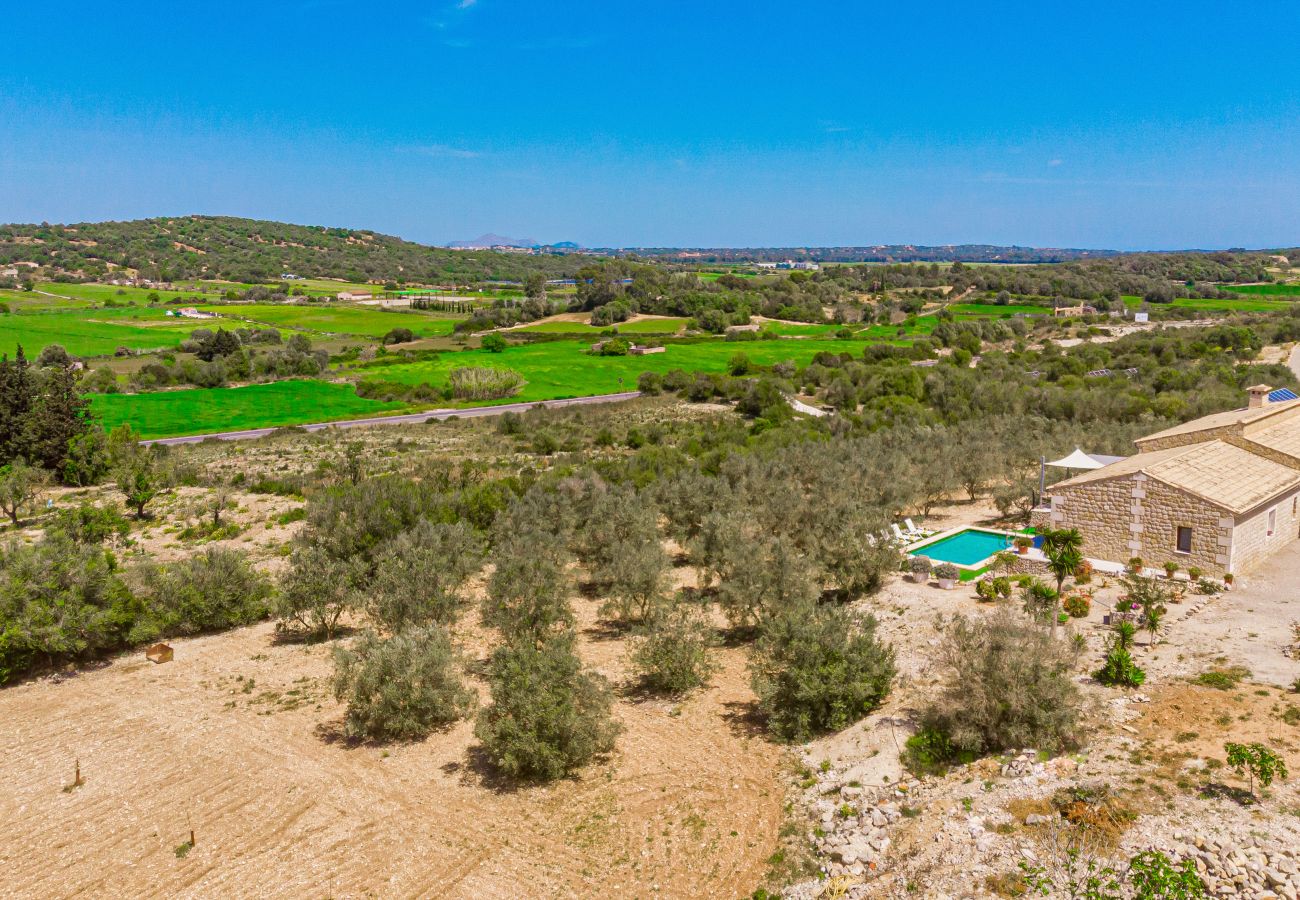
x=1055 y=162
x=465 y=4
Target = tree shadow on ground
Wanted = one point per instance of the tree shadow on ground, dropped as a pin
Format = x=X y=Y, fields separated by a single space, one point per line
x=301 y=636
x=1218 y=790
x=607 y=630
x=744 y=719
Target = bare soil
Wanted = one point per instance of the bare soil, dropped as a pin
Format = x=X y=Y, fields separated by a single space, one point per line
x=239 y=740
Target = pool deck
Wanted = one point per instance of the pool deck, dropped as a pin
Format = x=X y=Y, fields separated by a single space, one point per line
x=1034 y=552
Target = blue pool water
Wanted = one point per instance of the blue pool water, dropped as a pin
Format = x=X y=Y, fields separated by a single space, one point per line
x=966 y=548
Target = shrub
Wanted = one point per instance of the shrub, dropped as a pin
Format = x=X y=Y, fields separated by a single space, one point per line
x=210 y=590
x=1007 y=684
x=673 y=656
x=1077 y=605
x=399 y=336
x=59 y=601
x=919 y=565
x=87 y=523
x=651 y=383
x=315 y=592
x=401 y=687
x=817 y=669
x=528 y=590
x=1119 y=669
x=947 y=572
x=548 y=717
x=929 y=752
x=1083 y=572
x=1222 y=679
x=483 y=383
x=420 y=573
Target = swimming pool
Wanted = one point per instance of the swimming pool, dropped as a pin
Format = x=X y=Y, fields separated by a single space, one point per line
x=969 y=548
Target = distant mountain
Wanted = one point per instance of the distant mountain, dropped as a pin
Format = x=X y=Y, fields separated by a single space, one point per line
x=494 y=240
x=878 y=253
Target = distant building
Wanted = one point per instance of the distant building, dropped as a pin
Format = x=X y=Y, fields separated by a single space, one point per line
x=1082 y=310
x=189 y=312
x=355 y=295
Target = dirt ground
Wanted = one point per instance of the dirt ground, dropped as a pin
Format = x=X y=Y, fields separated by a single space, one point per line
x=239 y=740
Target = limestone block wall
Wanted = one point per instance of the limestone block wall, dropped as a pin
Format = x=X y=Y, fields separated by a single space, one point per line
x=1164 y=509
x=1251 y=542
x=1103 y=511
x=1146 y=445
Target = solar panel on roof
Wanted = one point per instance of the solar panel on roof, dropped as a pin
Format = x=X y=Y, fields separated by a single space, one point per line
x=1282 y=394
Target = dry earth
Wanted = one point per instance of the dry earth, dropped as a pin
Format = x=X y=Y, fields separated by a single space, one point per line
x=238 y=740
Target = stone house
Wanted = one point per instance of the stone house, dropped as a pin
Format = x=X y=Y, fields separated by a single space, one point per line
x=1220 y=493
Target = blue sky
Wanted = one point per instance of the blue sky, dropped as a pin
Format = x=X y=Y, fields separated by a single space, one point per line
x=1120 y=125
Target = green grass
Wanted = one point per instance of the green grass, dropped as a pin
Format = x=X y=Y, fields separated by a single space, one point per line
x=1290 y=289
x=962 y=310
x=1262 y=304
x=801 y=329
x=643 y=326
x=94 y=332
x=204 y=410
x=563 y=369
x=105 y=293
x=337 y=319
x=31 y=300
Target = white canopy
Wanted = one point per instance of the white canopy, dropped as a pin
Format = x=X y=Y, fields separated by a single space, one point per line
x=1080 y=460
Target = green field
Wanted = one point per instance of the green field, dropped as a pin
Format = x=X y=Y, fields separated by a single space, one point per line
x=800 y=329
x=985 y=310
x=1263 y=304
x=1291 y=289
x=642 y=326
x=563 y=368
x=94 y=332
x=204 y=410
x=32 y=300
x=334 y=319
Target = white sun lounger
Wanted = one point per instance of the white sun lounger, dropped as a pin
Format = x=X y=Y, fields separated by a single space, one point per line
x=898 y=533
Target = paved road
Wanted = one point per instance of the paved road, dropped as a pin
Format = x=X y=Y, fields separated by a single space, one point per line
x=409 y=418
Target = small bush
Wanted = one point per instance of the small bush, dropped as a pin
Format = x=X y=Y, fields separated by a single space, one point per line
x=210 y=590
x=402 y=687
x=673 y=654
x=548 y=717
x=1077 y=605
x=947 y=572
x=1119 y=670
x=816 y=669
x=919 y=565
x=483 y=383
x=1007 y=684
x=1222 y=679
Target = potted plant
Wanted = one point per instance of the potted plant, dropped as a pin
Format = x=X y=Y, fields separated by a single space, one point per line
x=1193 y=573
x=1023 y=543
x=920 y=568
x=1227 y=581
x=1170 y=568
x=948 y=575
x=1135 y=565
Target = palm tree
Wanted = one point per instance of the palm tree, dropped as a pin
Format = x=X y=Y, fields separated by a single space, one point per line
x=1062 y=549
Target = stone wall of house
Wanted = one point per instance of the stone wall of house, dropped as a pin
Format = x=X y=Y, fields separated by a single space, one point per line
x=1164 y=509
x=1251 y=542
x=1103 y=512
x=1121 y=518
x=1146 y=445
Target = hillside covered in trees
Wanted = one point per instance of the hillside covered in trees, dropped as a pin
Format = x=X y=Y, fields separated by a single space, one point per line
x=249 y=250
